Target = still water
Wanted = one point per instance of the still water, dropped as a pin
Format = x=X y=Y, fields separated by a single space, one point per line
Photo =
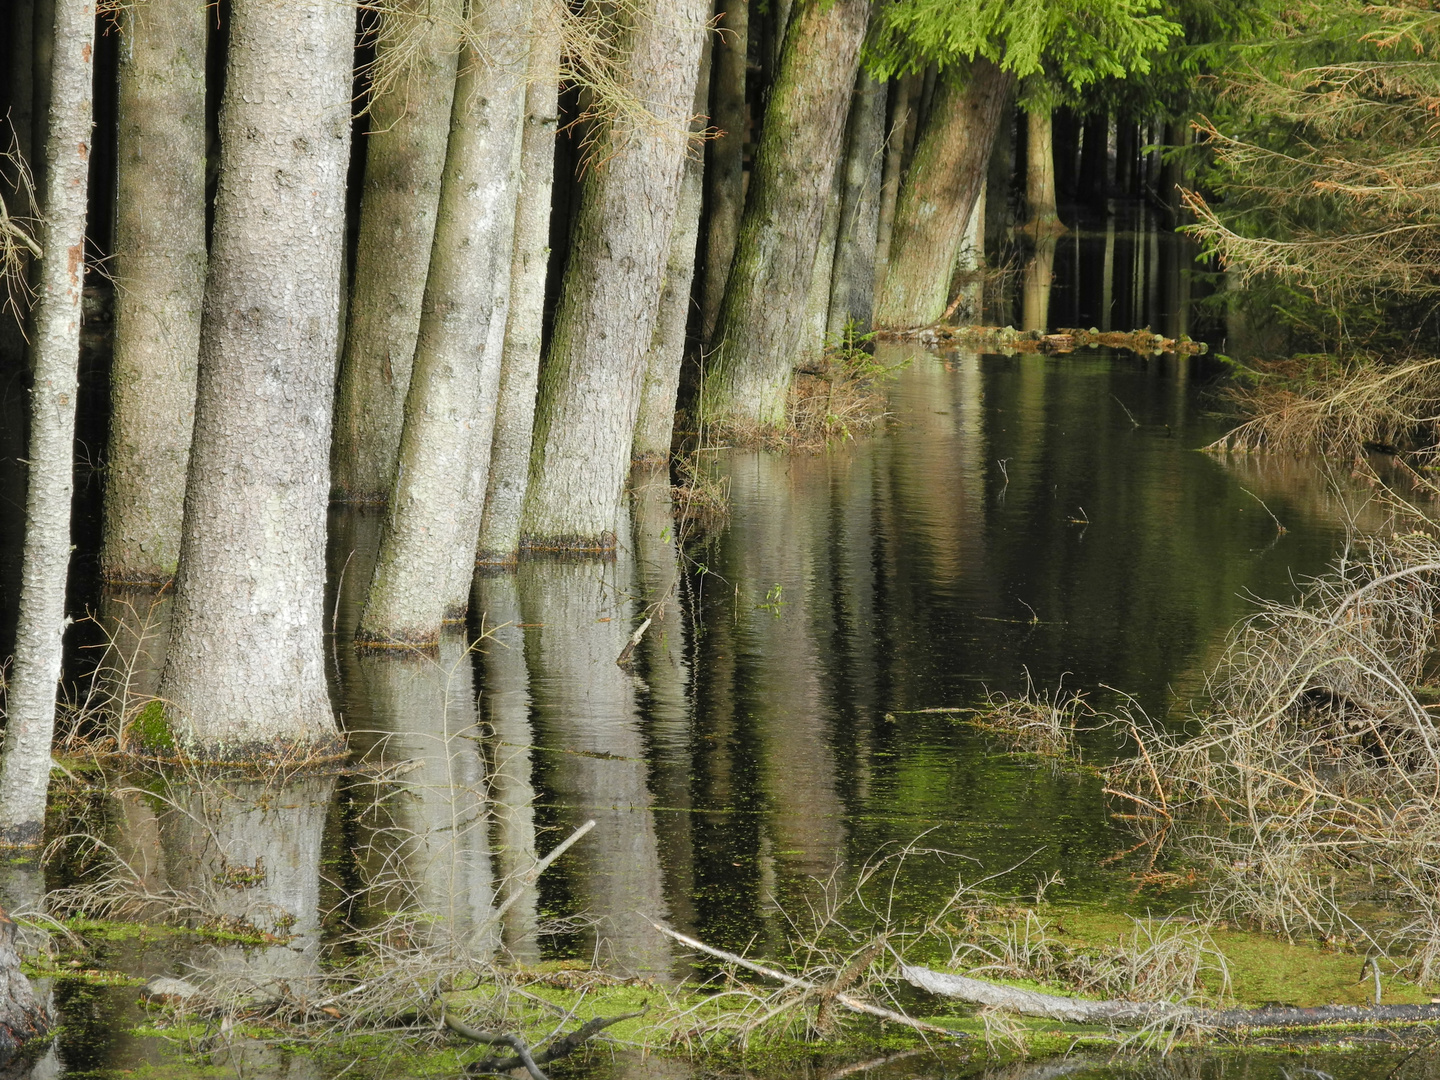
x=1018 y=520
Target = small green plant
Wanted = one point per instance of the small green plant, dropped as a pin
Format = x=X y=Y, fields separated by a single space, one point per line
x=774 y=600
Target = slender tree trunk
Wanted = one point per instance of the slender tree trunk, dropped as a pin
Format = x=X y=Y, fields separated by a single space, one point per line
x=762 y=319
x=1094 y=155
x=1040 y=195
x=852 y=288
x=817 y=298
x=159 y=271
x=950 y=164
x=725 y=172
x=590 y=384
x=655 y=424
x=451 y=404
x=1172 y=169
x=902 y=96
x=55 y=347
x=404 y=154
x=245 y=670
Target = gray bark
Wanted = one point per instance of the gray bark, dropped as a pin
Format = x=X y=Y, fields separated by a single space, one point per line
x=852 y=286
x=762 y=317
x=901 y=112
x=22 y=1016
x=159 y=268
x=590 y=384
x=520 y=365
x=655 y=424
x=430 y=532
x=55 y=349
x=245 y=670
x=404 y=155
x=725 y=171
x=1040 y=196
x=817 y=297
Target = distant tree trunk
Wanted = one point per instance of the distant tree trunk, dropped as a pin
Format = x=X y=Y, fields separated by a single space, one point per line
x=1172 y=169
x=655 y=424
x=450 y=409
x=245 y=670
x=404 y=154
x=725 y=172
x=520 y=365
x=1040 y=196
x=55 y=348
x=762 y=319
x=902 y=108
x=852 y=287
x=590 y=384
x=1095 y=155
x=22 y=1016
x=159 y=272
x=940 y=189
x=811 y=347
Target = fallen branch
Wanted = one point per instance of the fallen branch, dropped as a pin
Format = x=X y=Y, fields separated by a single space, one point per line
x=497 y=1038
x=1007 y=339
x=531 y=876
x=849 y=1001
x=561 y=1047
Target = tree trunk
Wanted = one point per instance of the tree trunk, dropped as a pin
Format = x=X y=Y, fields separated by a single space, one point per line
x=590 y=384
x=1040 y=198
x=725 y=172
x=404 y=154
x=55 y=348
x=951 y=158
x=655 y=424
x=852 y=287
x=520 y=365
x=1095 y=155
x=245 y=670
x=159 y=286
x=22 y=1016
x=902 y=96
x=817 y=298
x=1172 y=169
x=762 y=318
x=450 y=410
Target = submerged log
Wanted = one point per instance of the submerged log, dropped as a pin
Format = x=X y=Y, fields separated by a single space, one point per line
x=1073 y=1010
x=22 y=1016
x=1006 y=339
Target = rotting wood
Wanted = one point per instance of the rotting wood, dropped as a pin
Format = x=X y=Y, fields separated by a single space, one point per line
x=1006 y=339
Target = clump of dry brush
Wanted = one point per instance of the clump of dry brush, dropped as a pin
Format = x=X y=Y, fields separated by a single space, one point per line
x=1310 y=788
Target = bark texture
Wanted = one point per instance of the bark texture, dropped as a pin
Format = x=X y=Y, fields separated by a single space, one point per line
x=404 y=155
x=55 y=349
x=852 y=284
x=22 y=1016
x=520 y=364
x=590 y=384
x=245 y=671
x=655 y=425
x=450 y=409
x=817 y=297
x=1040 y=197
x=951 y=158
x=725 y=171
x=159 y=269
x=761 y=322
x=901 y=108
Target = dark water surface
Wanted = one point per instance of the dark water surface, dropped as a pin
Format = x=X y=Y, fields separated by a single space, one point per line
x=1018 y=520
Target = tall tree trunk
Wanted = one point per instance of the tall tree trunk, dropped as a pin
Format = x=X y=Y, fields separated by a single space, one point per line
x=762 y=318
x=55 y=348
x=404 y=154
x=902 y=97
x=852 y=287
x=725 y=171
x=245 y=671
x=951 y=158
x=590 y=384
x=1172 y=169
x=817 y=298
x=1095 y=155
x=655 y=423
x=1040 y=197
x=450 y=408
x=520 y=365
x=159 y=286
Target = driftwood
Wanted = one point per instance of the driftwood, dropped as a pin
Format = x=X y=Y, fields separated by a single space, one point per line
x=561 y=1047
x=1006 y=339
x=1140 y=1013
x=22 y=1016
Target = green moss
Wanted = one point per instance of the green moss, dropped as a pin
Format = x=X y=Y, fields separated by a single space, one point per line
x=151 y=729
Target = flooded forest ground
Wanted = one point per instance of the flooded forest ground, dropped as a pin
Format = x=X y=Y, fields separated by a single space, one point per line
x=794 y=710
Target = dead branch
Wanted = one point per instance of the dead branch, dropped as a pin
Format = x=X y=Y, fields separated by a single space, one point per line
x=561 y=1047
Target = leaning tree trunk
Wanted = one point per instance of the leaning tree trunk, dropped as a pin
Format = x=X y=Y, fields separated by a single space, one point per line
x=655 y=424
x=55 y=348
x=762 y=318
x=590 y=383
x=1040 y=198
x=520 y=365
x=22 y=1015
x=159 y=286
x=245 y=671
x=852 y=284
x=725 y=171
x=939 y=192
x=453 y=389
x=404 y=153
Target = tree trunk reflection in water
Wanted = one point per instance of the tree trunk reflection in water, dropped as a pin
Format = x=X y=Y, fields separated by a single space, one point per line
x=588 y=722
x=1038 y=281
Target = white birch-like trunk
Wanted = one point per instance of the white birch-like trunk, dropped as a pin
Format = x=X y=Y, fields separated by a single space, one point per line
x=520 y=366
x=430 y=529
x=590 y=384
x=245 y=670
x=404 y=154
x=159 y=269
x=55 y=348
